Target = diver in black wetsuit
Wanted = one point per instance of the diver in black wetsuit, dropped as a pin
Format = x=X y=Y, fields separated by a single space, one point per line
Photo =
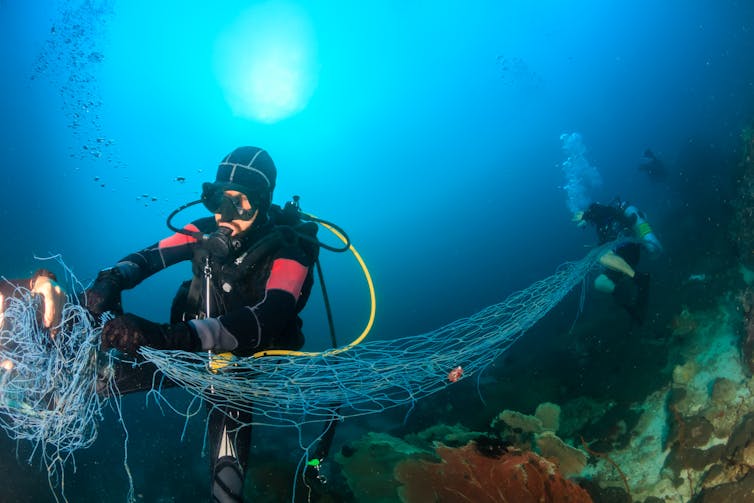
x=261 y=276
x=629 y=288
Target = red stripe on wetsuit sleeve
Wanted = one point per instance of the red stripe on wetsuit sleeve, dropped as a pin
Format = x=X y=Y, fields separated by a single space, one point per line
x=179 y=239
x=287 y=275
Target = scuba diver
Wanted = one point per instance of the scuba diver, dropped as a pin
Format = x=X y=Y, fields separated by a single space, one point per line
x=252 y=274
x=629 y=288
x=653 y=167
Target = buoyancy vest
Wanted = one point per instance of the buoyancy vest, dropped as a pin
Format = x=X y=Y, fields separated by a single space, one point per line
x=242 y=279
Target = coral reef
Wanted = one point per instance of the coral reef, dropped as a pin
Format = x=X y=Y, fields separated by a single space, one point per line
x=442 y=459
x=526 y=432
x=549 y=414
x=687 y=435
x=693 y=438
x=368 y=464
x=570 y=460
x=466 y=475
x=455 y=436
x=740 y=491
x=519 y=422
x=746 y=299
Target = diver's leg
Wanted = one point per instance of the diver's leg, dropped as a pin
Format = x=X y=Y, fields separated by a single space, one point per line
x=633 y=296
x=642 y=296
x=230 y=442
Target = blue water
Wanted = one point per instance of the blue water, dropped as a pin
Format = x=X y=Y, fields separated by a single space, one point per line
x=428 y=130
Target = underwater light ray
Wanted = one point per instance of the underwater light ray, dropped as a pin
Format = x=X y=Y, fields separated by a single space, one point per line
x=265 y=62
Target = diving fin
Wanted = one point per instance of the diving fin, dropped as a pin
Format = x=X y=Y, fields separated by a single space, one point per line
x=227 y=483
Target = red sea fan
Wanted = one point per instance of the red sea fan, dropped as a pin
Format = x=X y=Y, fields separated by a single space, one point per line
x=465 y=475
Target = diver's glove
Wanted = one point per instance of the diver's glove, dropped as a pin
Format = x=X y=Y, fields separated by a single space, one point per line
x=129 y=332
x=104 y=294
x=213 y=335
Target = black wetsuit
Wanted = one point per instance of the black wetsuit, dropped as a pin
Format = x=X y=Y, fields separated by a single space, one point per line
x=611 y=223
x=256 y=294
x=257 y=298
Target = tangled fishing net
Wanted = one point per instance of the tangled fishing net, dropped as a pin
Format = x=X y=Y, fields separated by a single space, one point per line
x=48 y=391
x=373 y=376
x=48 y=380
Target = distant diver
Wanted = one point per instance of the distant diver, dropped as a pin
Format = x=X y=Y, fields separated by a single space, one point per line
x=653 y=167
x=629 y=288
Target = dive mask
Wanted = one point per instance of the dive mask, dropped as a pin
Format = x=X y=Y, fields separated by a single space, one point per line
x=228 y=207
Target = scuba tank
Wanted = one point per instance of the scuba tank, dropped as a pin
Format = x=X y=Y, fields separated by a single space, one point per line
x=643 y=230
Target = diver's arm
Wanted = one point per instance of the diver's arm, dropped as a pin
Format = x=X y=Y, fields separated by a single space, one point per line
x=104 y=294
x=137 y=267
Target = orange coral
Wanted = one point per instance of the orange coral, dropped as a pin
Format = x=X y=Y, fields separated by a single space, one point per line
x=466 y=475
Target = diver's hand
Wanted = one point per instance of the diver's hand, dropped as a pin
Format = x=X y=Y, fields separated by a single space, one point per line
x=104 y=294
x=126 y=333
x=44 y=284
x=129 y=332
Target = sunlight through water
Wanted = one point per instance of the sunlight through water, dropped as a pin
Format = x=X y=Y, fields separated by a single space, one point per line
x=266 y=62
